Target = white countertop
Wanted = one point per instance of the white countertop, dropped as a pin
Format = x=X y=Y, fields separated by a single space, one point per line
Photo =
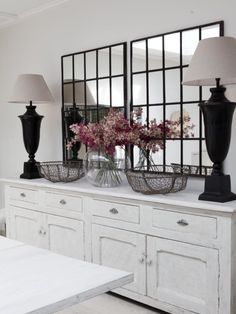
x=41 y=282
x=187 y=197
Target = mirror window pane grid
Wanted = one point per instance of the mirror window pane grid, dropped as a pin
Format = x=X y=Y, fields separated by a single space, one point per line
x=158 y=64
x=93 y=81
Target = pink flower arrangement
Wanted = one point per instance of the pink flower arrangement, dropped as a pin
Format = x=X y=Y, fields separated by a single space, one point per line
x=115 y=130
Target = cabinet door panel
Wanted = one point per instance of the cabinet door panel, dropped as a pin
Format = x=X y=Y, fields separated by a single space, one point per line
x=26 y=226
x=122 y=250
x=183 y=275
x=65 y=236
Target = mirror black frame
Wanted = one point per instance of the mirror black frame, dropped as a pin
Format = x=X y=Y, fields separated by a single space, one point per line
x=199 y=170
x=74 y=113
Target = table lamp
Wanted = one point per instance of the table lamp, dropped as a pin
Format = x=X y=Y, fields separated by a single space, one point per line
x=214 y=64
x=31 y=88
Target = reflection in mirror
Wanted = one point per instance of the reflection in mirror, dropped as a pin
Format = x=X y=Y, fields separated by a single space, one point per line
x=117 y=92
x=190 y=93
x=155 y=87
x=190 y=41
x=205 y=158
x=173 y=85
x=79 y=66
x=117 y=60
x=205 y=93
x=173 y=114
x=139 y=56
x=67 y=68
x=91 y=65
x=136 y=155
x=156 y=112
x=143 y=116
x=159 y=91
x=139 y=89
x=91 y=93
x=172 y=50
x=93 y=82
x=203 y=126
x=103 y=62
x=158 y=157
x=191 y=153
x=155 y=60
x=103 y=93
x=172 y=152
x=211 y=31
x=68 y=94
x=192 y=112
x=79 y=94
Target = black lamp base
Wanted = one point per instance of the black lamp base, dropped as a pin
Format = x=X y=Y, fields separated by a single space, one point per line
x=30 y=171
x=217 y=189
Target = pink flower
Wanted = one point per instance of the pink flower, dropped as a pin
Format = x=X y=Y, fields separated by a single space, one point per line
x=116 y=130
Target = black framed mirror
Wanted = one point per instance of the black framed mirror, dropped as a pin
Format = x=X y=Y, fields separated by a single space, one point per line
x=157 y=68
x=93 y=81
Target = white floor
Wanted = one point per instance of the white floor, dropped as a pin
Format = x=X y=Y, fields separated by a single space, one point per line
x=107 y=304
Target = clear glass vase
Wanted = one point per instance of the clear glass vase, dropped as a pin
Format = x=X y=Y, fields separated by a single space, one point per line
x=145 y=161
x=103 y=170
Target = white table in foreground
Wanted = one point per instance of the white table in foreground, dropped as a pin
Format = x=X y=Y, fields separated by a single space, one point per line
x=38 y=281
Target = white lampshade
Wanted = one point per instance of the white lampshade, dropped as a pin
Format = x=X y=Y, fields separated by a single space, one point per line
x=31 y=87
x=214 y=58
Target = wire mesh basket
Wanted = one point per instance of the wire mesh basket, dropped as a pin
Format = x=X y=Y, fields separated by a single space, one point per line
x=161 y=180
x=196 y=170
x=59 y=171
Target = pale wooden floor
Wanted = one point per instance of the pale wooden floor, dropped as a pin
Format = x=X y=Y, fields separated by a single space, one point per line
x=107 y=304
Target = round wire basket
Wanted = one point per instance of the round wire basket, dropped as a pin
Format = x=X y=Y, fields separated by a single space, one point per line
x=59 y=171
x=161 y=180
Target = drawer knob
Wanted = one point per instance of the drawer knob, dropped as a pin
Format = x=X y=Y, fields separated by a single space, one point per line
x=182 y=222
x=22 y=195
x=62 y=202
x=40 y=231
x=113 y=211
x=149 y=262
x=142 y=260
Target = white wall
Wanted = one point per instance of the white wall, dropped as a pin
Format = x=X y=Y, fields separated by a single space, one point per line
x=36 y=44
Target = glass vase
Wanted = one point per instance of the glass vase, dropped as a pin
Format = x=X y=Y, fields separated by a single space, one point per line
x=103 y=170
x=145 y=161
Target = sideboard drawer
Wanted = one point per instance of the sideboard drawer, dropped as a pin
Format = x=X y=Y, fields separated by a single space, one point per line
x=119 y=211
x=63 y=201
x=23 y=195
x=185 y=223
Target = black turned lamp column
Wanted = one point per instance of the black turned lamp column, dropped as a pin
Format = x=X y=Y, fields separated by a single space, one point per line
x=31 y=88
x=214 y=63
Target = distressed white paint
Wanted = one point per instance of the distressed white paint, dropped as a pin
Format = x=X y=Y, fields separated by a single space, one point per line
x=184 y=198
x=38 y=281
x=179 y=269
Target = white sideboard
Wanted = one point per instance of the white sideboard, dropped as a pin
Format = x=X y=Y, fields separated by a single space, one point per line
x=182 y=251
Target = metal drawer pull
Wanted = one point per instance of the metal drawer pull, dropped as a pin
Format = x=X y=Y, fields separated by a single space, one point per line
x=113 y=211
x=149 y=262
x=182 y=222
x=142 y=260
x=40 y=231
x=22 y=195
x=62 y=202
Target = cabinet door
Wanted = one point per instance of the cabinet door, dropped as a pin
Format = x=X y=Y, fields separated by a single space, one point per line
x=65 y=236
x=183 y=275
x=26 y=226
x=122 y=250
